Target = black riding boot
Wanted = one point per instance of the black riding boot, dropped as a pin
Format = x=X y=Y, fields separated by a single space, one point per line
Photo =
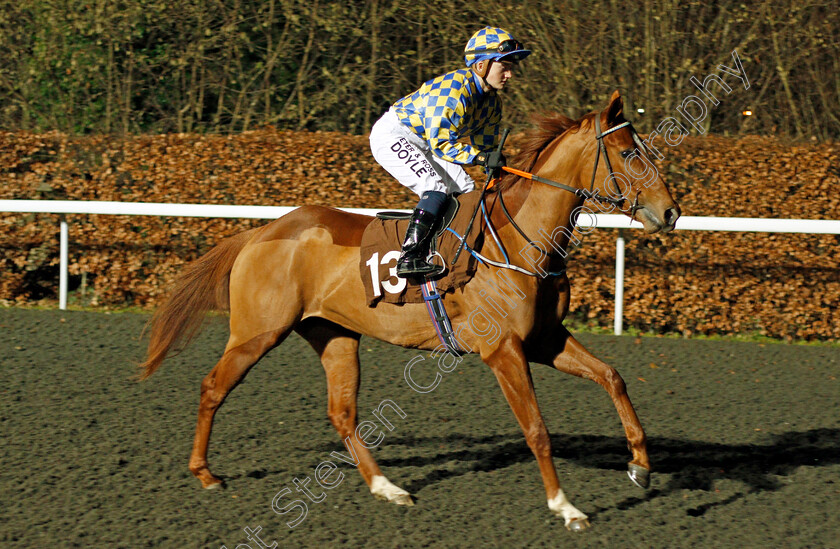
x=415 y=248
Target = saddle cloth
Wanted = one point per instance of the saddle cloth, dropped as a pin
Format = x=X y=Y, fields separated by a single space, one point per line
x=382 y=243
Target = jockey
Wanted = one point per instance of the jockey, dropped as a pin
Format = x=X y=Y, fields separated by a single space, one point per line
x=417 y=140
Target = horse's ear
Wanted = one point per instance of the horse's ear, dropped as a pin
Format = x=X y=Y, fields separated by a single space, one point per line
x=616 y=109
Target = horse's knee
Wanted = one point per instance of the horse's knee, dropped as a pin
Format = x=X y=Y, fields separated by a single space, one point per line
x=342 y=419
x=539 y=441
x=614 y=383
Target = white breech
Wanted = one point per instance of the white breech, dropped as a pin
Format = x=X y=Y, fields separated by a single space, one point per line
x=409 y=159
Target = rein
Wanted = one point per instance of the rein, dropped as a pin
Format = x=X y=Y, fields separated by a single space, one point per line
x=582 y=193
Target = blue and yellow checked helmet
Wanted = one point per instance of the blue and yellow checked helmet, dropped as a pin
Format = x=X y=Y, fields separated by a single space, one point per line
x=496 y=44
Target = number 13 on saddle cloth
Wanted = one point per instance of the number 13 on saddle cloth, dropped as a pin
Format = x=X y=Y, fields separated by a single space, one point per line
x=382 y=241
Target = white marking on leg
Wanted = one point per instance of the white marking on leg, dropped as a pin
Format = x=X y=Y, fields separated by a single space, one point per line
x=382 y=488
x=561 y=506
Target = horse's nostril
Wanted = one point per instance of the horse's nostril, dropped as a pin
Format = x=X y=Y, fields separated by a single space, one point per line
x=671 y=215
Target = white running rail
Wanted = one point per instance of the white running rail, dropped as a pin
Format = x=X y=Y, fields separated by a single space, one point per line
x=685 y=223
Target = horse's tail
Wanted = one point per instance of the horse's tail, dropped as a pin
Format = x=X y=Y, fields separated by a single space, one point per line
x=202 y=286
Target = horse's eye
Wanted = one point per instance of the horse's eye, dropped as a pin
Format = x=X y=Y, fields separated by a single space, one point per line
x=625 y=154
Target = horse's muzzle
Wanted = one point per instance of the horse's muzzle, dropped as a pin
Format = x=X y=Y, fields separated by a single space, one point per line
x=670 y=218
x=655 y=222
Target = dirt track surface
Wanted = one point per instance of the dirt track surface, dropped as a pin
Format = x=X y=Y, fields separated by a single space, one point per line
x=744 y=439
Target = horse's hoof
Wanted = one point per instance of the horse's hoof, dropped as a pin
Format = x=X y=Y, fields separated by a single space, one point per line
x=399 y=499
x=403 y=499
x=207 y=479
x=578 y=525
x=381 y=488
x=210 y=482
x=638 y=475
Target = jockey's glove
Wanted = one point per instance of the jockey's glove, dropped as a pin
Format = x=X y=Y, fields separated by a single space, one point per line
x=492 y=161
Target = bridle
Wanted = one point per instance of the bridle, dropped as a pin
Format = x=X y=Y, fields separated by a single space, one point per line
x=641 y=146
x=590 y=194
x=602 y=148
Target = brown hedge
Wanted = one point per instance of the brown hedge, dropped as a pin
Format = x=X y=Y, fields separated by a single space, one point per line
x=689 y=281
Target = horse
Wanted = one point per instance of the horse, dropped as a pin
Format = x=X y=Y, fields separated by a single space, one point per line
x=301 y=272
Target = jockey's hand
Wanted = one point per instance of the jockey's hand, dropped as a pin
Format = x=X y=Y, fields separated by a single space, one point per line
x=492 y=161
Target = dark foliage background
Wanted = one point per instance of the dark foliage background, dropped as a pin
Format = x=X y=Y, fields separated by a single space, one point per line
x=150 y=66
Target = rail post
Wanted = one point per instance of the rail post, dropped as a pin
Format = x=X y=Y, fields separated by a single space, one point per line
x=619 y=285
x=62 y=264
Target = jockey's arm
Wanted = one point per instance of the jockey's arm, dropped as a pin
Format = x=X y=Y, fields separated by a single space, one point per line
x=441 y=127
x=443 y=138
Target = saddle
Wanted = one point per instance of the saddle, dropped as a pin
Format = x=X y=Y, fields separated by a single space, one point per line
x=382 y=243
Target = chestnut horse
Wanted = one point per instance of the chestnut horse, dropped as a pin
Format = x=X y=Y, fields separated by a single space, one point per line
x=301 y=272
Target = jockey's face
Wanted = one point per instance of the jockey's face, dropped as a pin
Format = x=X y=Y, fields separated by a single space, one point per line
x=498 y=75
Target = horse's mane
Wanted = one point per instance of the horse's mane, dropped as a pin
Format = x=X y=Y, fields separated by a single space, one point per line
x=546 y=128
